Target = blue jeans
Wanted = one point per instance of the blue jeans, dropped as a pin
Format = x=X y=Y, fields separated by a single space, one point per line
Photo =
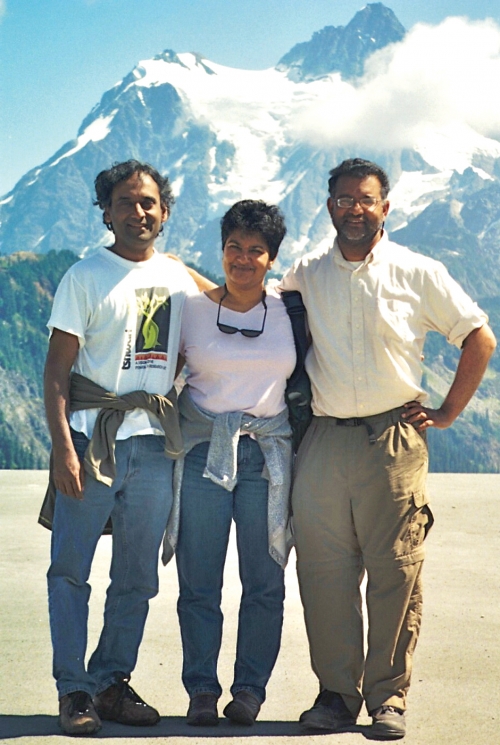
x=206 y=514
x=138 y=502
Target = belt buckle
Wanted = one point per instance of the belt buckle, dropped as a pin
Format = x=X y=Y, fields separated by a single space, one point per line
x=350 y=422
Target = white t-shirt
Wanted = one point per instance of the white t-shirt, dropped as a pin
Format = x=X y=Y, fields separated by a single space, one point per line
x=126 y=316
x=231 y=372
x=368 y=323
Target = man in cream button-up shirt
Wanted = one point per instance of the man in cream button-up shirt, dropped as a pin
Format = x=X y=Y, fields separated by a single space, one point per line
x=359 y=498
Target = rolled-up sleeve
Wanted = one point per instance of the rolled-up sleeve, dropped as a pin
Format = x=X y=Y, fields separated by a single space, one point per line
x=449 y=309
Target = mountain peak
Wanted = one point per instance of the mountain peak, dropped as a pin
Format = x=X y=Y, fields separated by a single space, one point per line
x=343 y=49
x=168 y=55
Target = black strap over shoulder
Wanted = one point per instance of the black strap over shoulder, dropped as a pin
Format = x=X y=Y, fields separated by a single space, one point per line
x=297 y=311
x=298 y=394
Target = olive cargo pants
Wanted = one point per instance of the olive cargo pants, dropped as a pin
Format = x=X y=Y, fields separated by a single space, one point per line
x=359 y=504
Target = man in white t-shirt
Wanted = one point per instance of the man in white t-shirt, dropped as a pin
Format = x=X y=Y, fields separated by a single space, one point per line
x=359 y=498
x=111 y=364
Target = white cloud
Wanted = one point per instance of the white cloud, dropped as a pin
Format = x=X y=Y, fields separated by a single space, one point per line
x=439 y=78
x=3 y=8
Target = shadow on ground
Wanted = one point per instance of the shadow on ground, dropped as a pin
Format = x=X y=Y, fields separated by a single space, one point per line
x=42 y=725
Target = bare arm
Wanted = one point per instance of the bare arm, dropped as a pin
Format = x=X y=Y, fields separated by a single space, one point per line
x=476 y=352
x=202 y=282
x=180 y=364
x=67 y=469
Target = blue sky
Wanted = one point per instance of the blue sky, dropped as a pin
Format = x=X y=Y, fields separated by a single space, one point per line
x=58 y=57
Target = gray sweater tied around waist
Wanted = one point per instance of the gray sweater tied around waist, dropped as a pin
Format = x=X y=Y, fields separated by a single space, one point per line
x=273 y=435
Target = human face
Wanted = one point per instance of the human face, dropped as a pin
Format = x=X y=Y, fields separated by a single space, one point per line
x=358 y=228
x=245 y=260
x=136 y=215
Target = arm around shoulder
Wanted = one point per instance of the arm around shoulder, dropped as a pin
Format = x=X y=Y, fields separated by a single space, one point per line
x=202 y=282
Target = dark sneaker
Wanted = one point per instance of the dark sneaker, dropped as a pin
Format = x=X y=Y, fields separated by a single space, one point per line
x=388 y=723
x=328 y=713
x=202 y=710
x=77 y=715
x=243 y=709
x=120 y=703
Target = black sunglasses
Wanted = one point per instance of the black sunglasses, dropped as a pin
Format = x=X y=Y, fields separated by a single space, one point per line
x=250 y=333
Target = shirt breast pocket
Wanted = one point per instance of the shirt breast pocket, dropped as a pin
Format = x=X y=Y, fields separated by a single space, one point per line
x=393 y=319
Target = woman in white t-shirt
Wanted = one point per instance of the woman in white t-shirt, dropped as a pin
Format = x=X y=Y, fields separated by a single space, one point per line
x=238 y=345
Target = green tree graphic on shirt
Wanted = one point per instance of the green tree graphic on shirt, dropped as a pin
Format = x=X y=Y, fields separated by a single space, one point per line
x=147 y=307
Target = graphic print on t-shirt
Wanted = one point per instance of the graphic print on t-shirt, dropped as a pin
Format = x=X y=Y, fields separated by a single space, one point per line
x=153 y=325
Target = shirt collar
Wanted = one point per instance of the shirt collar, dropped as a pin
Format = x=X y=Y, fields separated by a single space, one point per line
x=375 y=256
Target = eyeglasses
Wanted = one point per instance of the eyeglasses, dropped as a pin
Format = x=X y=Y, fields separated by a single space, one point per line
x=367 y=203
x=250 y=333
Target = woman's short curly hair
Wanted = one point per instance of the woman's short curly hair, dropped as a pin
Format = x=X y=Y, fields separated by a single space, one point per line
x=255 y=216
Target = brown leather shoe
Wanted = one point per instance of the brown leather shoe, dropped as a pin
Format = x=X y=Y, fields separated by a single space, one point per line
x=202 y=710
x=243 y=709
x=77 y=715
x=388 y=723
x=120 y=703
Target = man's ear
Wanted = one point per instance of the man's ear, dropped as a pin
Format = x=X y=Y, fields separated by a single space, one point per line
x=107 y=220
x=330 y=205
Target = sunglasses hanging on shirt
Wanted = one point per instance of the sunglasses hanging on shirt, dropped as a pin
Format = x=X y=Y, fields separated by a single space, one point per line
x=250 y=333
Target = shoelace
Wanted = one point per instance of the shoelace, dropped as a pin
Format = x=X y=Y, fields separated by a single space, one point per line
x=390 y=710
x=126 y=691
x=80 y=702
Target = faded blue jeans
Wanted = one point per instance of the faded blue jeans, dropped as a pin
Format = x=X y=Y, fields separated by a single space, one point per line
x=138 y=502
x=207 y=511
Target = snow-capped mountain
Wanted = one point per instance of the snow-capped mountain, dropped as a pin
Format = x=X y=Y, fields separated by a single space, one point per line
x=344 y=50
x=223 y=134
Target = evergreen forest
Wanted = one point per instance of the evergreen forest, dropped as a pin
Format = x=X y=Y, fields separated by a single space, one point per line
x=27 y=286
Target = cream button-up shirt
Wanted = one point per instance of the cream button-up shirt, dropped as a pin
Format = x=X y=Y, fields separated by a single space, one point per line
x=368 y=322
